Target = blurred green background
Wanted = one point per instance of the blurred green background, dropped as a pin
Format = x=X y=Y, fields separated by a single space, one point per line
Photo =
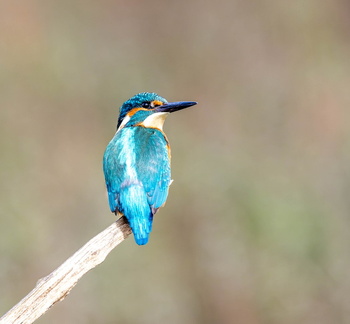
x=256 y=227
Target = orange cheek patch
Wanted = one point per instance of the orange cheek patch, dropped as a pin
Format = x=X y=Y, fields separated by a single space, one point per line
x=156 y=103
x=133 y=111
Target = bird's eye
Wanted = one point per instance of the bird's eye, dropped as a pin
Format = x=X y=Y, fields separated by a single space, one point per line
x=145 y=104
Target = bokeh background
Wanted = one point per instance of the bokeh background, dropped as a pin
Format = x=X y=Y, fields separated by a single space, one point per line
x=256 y=227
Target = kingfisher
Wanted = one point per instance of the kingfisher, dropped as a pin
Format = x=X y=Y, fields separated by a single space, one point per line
x=136 y=162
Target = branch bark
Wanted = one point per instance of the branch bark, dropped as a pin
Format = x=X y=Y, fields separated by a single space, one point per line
x=57 y=285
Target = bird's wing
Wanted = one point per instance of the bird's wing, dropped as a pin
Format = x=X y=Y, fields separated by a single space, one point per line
x=153 y=166
x=113 y=174
x=147 y=163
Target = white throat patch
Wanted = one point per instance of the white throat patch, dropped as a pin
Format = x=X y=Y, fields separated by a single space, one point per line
x=155 y=120
x=124 y=122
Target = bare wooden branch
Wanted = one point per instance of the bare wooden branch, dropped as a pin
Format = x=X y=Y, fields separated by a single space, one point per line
x=57 y=285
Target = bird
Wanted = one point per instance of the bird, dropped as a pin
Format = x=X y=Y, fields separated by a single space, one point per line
x=136 y=162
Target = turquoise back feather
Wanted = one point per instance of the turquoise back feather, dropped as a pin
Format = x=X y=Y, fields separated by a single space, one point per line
x=136 y=164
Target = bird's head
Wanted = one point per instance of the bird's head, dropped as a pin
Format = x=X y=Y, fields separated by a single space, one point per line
x=148 y=110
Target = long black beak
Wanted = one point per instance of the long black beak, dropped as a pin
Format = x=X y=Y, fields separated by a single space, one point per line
x=175 y=106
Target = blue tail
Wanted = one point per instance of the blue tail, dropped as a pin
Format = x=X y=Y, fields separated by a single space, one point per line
x=135 y=207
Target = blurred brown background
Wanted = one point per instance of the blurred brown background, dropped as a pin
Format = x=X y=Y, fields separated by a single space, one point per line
x=256 y=227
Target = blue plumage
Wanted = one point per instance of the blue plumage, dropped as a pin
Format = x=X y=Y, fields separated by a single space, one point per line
x=136 y=162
